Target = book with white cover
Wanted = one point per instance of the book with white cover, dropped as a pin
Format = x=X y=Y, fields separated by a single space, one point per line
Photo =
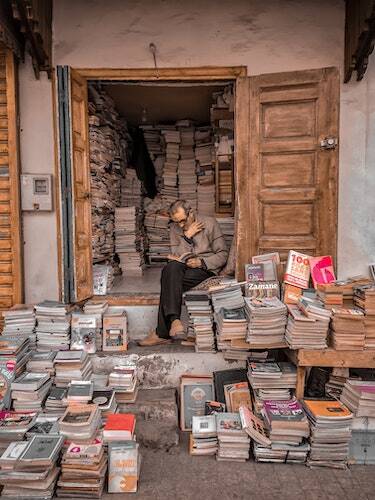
x=204 y=426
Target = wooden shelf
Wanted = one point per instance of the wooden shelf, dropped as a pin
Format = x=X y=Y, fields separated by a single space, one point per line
x=333 y=358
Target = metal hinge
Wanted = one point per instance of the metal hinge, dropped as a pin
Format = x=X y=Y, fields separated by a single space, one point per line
x=329 y=143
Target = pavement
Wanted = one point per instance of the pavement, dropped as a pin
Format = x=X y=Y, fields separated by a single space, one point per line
x=176 y=475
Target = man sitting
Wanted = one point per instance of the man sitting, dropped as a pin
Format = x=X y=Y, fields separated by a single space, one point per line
x=189 y=233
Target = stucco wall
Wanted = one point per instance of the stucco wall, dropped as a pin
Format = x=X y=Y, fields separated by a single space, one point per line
x=270 y=36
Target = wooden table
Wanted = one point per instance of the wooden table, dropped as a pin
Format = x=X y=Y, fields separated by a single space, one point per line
x=306 y=358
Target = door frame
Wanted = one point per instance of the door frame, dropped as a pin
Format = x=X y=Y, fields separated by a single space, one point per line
x=238 y=74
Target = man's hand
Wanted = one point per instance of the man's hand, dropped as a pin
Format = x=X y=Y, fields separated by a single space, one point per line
x=195 y=228
x=194 y=262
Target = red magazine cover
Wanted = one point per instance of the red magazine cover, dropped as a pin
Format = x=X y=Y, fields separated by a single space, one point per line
x=322 y=271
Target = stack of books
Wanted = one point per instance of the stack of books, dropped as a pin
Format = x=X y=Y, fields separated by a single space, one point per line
x=330 y=425
x=131 y=189
x=124 y=381
x=286 y=421
x=359 y=397
x=129 y=240
x=262 y=395
x=169 y=191
x=364 y=298
x=227 y=228
x=30 y=390
x=267 y=320
x=303 y=332
x=83 y=471
x=201 y=325
x=14 y=425
x=56 y=401
x=14 y=353
x=80 y=391
x=85 y=332
x=234 y=442
x=42 y=362
x=331 y=294
x=271 y=375
x=348 y=329
x=336 y=382
x=187 y=176
x=155 y=148
x=157 y=230
x=80 y=422
x=20 y=319
x=204 y=156
x=71 y=365
x=53 y=330
x=119 y=427
x=44 y=424
x=29 y=468
x=228 y=297
x=231 y=325
x=203 y=439
x=96 y=310
x=282 y=453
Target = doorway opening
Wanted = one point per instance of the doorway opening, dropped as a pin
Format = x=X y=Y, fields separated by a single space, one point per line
x=151 y=143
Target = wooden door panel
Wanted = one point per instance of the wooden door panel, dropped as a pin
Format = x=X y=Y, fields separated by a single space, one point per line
x=293 y=181
x=83 y=279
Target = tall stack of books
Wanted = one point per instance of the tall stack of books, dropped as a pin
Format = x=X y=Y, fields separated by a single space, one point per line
x=203 y=438
x=348 y=329
x=201 y=325
x=364 y=298
x=187 y=177
x=157 y=230
x=358 y=396
x=234 y=442
x=124 y=381
x=83 y=471
x=267 y=320
x=155 y=147
x=53 y=330
x=29 y=468
x=231 y=325
x=227 y=228
x=129 y=240
x=169 y=191
x=330 y=426
x=30 y=390
x=20 y=319
x=71 y=365
x=303 y=332
x=206 y=181
x=131 y=190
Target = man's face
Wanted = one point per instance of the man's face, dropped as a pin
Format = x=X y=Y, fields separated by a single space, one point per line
x=183 y=218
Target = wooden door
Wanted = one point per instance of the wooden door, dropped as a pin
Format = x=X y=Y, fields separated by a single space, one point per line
x=292 y=181
x=11 y=275
x=80 y=168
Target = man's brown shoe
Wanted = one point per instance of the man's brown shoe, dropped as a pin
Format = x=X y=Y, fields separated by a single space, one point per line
x=177 y=328
x=153 y=339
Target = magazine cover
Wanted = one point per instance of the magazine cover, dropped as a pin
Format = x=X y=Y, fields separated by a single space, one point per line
x=322 y=271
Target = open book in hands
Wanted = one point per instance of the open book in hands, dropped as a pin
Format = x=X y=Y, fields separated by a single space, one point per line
x=182 y=258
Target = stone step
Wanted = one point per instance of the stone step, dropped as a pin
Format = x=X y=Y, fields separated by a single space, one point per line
x=162 y=366
x=156 y=414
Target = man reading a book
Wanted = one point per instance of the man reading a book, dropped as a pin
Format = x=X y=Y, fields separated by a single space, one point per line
x=198 y=252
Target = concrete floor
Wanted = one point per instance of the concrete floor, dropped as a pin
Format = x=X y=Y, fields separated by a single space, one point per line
x=177 y=475
x=148 y=283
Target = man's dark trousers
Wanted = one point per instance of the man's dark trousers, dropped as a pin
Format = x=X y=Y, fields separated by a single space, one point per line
x=176 y=278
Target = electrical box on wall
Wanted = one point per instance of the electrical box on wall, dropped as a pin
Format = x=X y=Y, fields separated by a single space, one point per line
x=36 y=192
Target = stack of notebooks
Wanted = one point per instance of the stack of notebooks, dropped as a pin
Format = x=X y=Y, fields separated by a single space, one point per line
x=157 y=230
x=131 y=189
x=231 y=325
x=201 y=326
x=80 y=422
x=119 y=427
x=30 y=390
x=330 y=423
x=20 y=319
x=234 y=442
x=271 y=375
x=71 y=365
x=53 y=330
x=129 y=240
x=359 y=397
x=267 y=320
x=203 y=439
x=303 y=332
x=29 y=468
x=286 y=421
x=124 y=381
x=169 y=191
x=83 y=471
x=229 y=297
x=42 y=362
x=348 y=329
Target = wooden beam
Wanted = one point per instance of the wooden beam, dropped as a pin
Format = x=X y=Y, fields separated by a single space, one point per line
x=332 y=358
